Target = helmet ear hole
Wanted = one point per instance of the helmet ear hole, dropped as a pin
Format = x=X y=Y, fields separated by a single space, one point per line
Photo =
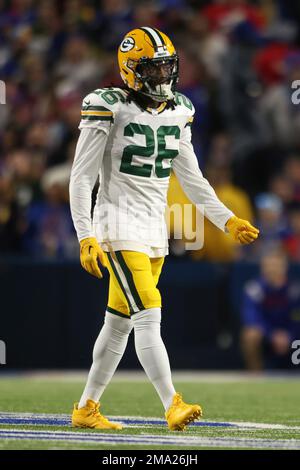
x=125 y=71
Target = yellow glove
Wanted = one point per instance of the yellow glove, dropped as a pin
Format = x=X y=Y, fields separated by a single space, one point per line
x=241 y=230
x=90 y=252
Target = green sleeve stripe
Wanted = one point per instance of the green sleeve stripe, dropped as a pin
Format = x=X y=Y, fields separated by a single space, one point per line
x=97 y=118
x=95 y=108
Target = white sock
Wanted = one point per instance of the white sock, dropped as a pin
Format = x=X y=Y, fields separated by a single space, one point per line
x=152 y=353
x=108 y=351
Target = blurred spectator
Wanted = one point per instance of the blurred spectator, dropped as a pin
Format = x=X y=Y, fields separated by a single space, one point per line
x=147 y=12
x=292 y=239
x=49 y=232
x=239 y=90
x=292 y=173
x=77 y=68
x=270 y=315
x=26 y=170
x=281 y=115
x=114 y=20
x=271 y=223
x=192 y=85
x=10 y=218
x=280 y=185
x=269 y=63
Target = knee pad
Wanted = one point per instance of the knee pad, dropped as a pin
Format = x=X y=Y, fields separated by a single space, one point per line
x=146 y=318
x=147 y=329
x=151 y=298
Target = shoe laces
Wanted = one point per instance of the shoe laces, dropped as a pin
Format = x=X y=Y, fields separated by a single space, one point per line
x=177 y=399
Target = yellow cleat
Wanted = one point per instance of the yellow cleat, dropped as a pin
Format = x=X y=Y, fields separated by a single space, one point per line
x=180 y=414
x=90 y=417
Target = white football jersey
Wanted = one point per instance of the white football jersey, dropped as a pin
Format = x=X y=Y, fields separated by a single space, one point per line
x=133 y=151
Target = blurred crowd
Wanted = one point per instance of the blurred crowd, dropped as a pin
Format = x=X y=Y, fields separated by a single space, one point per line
x=238 y=62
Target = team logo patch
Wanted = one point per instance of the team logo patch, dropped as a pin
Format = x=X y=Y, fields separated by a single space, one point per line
x=127 y=44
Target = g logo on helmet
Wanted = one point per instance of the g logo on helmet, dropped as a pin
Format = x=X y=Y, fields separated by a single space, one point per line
x=127 y=44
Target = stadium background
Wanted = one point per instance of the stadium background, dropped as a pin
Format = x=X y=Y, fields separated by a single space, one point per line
x=237 y=62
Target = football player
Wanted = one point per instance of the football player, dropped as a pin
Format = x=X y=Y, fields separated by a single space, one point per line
x=131 y=137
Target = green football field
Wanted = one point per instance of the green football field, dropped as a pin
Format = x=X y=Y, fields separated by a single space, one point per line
x=253 y=413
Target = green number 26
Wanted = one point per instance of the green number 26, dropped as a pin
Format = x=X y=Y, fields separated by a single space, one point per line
x=149 y=149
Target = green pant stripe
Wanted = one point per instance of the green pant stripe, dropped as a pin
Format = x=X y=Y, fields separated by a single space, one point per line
x=116 y=312
x=119 y=280
x=130 y=281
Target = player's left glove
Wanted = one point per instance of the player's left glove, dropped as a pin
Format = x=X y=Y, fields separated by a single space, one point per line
x=90 y=252
x=241 y=230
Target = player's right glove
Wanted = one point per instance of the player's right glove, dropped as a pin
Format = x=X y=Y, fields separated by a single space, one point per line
x=90 y=252
x=241 y=230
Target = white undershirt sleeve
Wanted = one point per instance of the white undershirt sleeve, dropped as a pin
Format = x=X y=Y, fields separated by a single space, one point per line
x=85 y=170
x=196 y=187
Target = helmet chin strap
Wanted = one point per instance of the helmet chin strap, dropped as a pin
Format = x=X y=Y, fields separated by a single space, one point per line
x=159 y=93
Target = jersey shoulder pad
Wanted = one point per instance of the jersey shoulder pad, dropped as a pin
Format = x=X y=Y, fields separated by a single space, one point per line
x=99 y=108
x=185 y=103
x=186 y=107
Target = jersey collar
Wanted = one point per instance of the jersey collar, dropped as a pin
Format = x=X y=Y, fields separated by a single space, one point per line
x=158 y=110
